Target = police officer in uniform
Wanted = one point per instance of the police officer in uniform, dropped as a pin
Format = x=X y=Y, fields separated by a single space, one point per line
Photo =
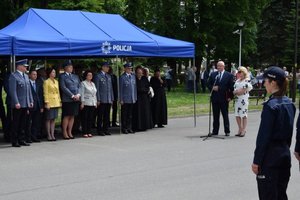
x=21 y=100
x=105 y=97
x=128 y=97
x=272 y=159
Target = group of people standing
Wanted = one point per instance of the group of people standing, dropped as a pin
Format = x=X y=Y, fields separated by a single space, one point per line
x=272 y=159
x=223 y=89
x=35 y=102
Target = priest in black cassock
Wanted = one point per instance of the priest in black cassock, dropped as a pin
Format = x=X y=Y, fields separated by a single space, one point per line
x=159 y=101
x=142 y=117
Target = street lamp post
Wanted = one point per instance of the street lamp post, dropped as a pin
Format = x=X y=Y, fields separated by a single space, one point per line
x=239 y=31
x=241 y=24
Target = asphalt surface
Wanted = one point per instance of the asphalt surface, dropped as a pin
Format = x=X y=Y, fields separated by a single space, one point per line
x=170 y=163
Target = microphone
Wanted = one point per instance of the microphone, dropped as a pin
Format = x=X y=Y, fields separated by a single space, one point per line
x=217 y=78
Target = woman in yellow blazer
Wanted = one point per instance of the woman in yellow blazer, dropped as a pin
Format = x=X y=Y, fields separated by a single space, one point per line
x=52 y=102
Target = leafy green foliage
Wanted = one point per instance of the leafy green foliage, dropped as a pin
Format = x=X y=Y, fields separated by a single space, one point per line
x=209 y=24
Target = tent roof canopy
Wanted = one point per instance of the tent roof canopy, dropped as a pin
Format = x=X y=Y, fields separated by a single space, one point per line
x=60 y=33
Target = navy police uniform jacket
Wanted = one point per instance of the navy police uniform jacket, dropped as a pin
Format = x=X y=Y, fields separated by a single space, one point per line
x=20 y=90
x=275 y=133
x=103 y=84
x=69 y=86
x=297 y=147
x=128 y=91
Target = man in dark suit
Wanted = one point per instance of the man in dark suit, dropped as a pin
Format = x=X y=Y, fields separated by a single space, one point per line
x=105 y=98
x=21 y=101
x=35 y=113
x=221 y=85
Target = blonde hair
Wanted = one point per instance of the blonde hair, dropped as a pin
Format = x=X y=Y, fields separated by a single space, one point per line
x=244 y=70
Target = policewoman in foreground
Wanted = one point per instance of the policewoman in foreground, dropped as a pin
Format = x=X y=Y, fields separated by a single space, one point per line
x=272 y=158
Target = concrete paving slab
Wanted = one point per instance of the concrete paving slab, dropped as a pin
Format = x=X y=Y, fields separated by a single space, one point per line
x=170 y=163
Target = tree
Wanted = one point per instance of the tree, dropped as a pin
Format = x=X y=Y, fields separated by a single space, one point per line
x=276 y=33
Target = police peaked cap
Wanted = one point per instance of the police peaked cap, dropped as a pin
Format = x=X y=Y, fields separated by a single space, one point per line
x=22 y=62
x=105 y=64
x=127 y=65
x=275 y=73
x=67 y=63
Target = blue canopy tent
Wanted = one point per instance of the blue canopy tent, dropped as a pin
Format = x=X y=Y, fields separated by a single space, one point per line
x=5 y=45
x=59 y=33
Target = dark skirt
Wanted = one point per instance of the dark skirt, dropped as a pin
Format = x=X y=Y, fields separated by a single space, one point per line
x=70 y=108
x=52 y=113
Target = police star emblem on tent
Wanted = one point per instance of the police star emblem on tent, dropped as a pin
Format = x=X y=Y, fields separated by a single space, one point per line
x=106 y=47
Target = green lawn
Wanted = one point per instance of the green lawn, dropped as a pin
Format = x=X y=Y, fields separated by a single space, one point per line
x=181 y=103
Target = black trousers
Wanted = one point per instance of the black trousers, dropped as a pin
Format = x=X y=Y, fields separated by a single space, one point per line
x=203 y=85
x=87 y=115
x=126 y=116
x=114 y=112
x=17 y=129
x=223 y=108
x=103 y=117
x=169 y=84
x=35 y=123
x=272 y=183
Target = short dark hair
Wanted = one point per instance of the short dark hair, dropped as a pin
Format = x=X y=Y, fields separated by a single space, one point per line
x=86 y=73
x=138 y=67
x=32 y=70
x=49 y=70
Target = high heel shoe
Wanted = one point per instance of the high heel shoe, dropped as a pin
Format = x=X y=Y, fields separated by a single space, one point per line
x=66 y=138
x=238 y=135
x=242 y=134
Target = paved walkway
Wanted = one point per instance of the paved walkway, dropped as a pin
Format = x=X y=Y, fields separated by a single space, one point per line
x=161 y=164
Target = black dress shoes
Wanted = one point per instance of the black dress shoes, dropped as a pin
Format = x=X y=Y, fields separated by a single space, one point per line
x=15 y=145
x=124 y=131
x=227 y=134
x=22 y=143
x=101 y=133
x=35 y=140
x=131 y=131
x=107 y=133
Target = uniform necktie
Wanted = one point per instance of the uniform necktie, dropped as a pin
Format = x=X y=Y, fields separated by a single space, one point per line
x=220 y=76
x=23 y=75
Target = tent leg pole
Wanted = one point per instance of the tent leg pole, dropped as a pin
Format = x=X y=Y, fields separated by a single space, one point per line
x=195 y=122
x=11 y=63
x=14 y=64
x=45 y=63
x=118 y=86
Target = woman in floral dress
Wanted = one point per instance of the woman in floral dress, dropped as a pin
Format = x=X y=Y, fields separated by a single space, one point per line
x=242 y=87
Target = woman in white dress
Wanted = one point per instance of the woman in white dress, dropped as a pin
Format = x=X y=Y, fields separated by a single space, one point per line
x=242 y=87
